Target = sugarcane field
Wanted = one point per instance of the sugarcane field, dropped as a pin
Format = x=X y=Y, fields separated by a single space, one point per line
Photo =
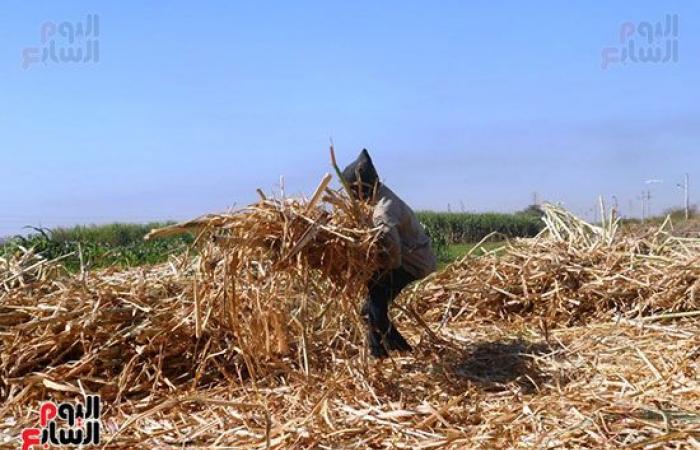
x=350 y=225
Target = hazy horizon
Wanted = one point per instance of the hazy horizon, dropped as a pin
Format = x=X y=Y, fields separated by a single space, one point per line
x=478 y=106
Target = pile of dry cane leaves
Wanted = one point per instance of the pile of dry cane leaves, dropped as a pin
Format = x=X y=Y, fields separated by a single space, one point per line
x=583 y=337
x=572 y=273
x=25 y=267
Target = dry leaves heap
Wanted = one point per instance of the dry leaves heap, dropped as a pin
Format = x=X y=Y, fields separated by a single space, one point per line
x=583 y=337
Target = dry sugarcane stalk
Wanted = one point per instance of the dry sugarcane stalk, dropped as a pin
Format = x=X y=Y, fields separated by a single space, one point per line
x=319 y=192
x=272 y=356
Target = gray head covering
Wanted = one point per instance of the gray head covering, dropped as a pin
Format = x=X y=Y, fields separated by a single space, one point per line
x=361 y=174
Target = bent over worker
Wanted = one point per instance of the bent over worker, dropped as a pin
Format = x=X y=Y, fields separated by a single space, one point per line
x=406 y=256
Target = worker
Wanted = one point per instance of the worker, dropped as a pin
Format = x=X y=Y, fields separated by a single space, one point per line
x=406 y=253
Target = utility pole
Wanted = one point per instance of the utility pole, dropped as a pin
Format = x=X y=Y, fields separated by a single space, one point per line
x=646 y=196
x=648 y=202
x=686 y=198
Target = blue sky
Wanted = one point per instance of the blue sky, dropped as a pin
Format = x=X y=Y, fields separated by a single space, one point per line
x=194 y=105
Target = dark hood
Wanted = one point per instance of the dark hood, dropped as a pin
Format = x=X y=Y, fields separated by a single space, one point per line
x=361 y=176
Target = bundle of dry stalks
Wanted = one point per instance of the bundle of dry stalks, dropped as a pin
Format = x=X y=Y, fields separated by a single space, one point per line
x=570 y=273
x=271 y=286
x=254 y=341
x=25 y=267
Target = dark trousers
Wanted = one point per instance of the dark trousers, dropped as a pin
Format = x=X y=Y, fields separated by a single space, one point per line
x=383 y=288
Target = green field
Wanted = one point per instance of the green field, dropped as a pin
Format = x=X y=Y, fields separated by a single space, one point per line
x=96 y=246
x=453 y=234
x=457 y=251
x=473 y=227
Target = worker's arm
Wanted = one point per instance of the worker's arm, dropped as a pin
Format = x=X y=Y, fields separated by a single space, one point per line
x=391 y=247
x=387 y=214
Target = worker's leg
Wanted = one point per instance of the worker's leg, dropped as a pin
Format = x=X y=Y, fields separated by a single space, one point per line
x=375 y=312
x=382 y=335
x=400 y=279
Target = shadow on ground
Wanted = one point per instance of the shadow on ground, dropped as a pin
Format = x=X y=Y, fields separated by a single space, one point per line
x=491 y=366
x=494 y=365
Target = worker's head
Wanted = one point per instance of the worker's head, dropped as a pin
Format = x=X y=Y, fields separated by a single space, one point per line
x=361 y=176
